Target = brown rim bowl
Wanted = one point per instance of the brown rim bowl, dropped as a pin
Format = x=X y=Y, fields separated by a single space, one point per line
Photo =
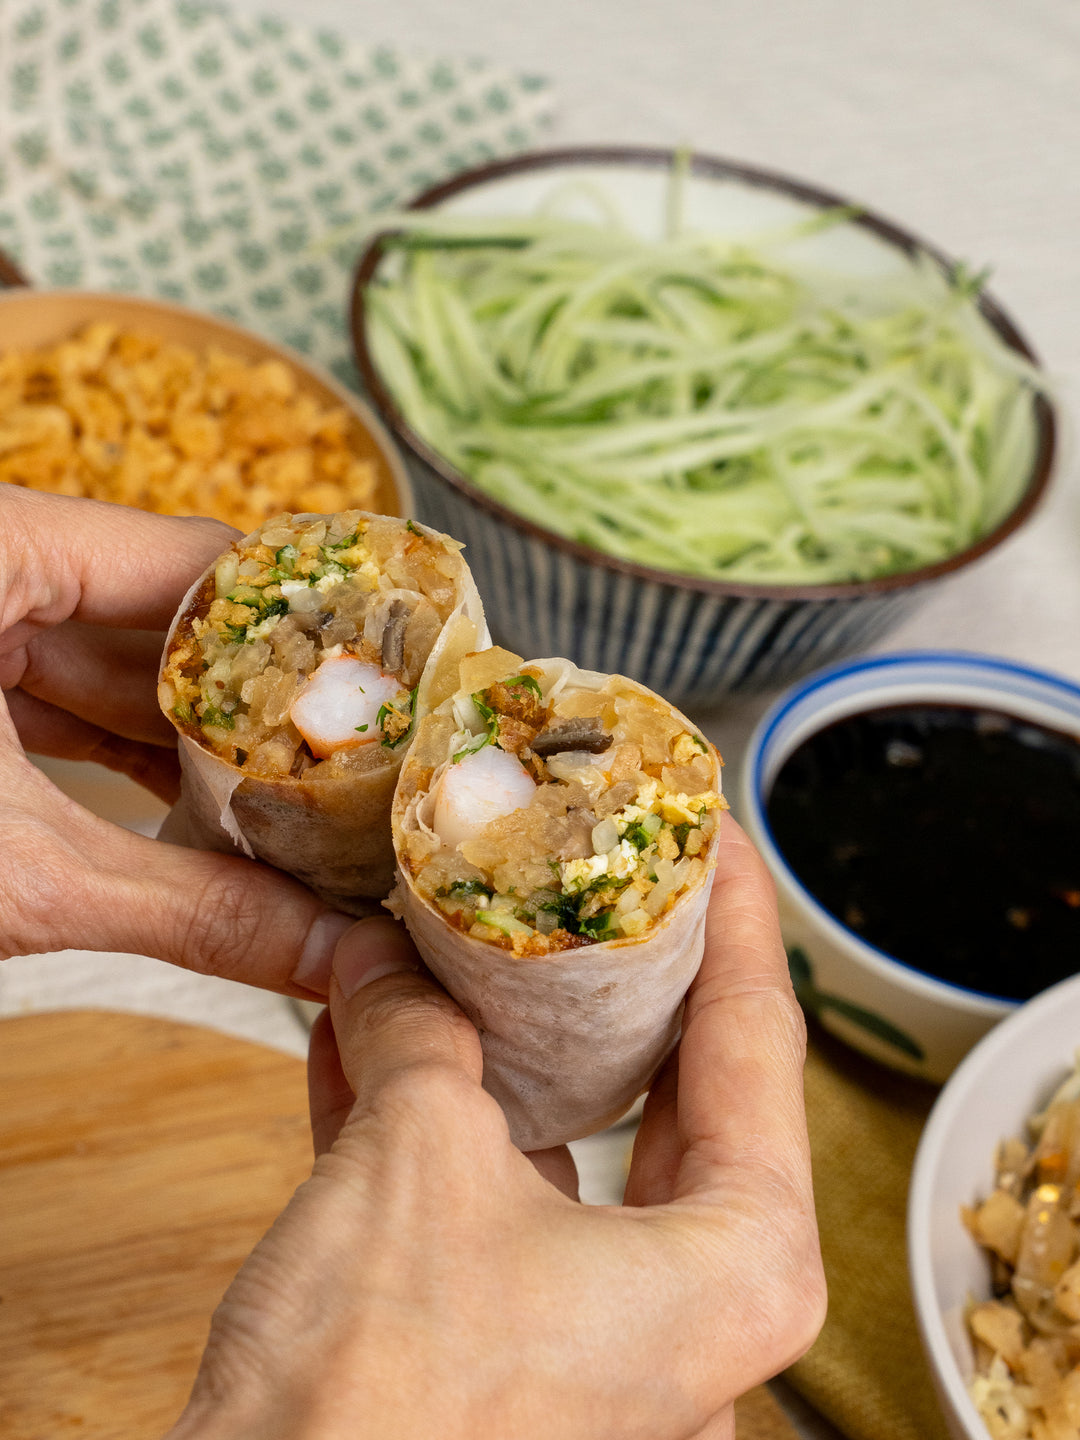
x=32 y=318
x=473 y=515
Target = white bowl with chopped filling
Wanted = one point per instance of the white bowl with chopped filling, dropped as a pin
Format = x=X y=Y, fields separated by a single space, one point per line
x=1002 y=1332
x=698 y=424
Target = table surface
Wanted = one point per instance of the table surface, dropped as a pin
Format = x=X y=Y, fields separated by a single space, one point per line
x=961 y=121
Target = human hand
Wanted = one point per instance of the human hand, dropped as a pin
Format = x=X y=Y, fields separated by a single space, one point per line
x=428 y=1280
x=87 y=591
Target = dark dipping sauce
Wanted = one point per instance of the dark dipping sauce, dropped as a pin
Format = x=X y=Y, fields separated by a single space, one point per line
x=946 y=836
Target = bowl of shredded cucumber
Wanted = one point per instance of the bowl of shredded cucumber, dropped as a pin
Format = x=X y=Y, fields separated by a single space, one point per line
x=696 y=422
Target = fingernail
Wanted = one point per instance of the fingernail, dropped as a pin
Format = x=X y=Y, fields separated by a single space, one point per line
x=373 y=948
x=317 y=956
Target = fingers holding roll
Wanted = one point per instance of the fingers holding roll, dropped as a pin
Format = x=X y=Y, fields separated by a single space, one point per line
x=330 y=1096
x=46 y=729
x=741 y=1056
x=392 y=1021
x=71 y=880
x=105 y=676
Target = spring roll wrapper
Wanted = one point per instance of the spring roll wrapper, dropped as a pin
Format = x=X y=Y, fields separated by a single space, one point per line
x=572 y=1038
x=331 y=831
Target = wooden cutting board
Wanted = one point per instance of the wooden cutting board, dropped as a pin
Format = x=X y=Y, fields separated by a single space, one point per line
x=140 y=1161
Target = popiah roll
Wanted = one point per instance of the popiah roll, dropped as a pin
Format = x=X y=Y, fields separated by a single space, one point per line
x=555 y=831
x=295 y=671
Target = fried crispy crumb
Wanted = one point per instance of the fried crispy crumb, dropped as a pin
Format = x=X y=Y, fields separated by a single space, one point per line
x=131 y=418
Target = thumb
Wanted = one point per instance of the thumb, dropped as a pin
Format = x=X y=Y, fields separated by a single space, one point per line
x=397 y=1030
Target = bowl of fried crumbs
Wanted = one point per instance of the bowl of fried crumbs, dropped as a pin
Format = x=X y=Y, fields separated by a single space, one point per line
x=994 y=1229
x=150 y=404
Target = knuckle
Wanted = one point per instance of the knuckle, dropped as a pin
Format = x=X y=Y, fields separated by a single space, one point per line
x=797 y=1318
x=791 y=1293
x=431 y=1090
x=33 y=896
x=223 y=922
x=412 y=1007
x=790 y=1021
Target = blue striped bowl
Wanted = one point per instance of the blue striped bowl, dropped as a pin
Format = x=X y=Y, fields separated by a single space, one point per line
x=691 y=639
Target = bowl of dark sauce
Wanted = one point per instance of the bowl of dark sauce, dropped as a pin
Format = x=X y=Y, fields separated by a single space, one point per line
x=920 y=813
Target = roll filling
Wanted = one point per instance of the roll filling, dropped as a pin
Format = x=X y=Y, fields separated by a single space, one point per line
x=294 y=674
x=560 y=819
x=308 y=641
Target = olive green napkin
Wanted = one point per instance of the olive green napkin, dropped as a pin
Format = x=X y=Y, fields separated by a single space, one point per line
x=866 y=1372
x=169 y=148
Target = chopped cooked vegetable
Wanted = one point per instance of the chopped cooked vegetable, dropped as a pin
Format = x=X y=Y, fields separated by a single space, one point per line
x=1026 y=1339
x=701 y=405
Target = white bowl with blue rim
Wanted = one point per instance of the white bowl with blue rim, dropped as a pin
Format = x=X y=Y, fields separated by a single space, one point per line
x=891 y=1011
x=1007 y=1077
x=692 y=638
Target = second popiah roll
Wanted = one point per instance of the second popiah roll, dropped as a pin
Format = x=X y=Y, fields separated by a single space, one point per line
x=555 y=831
x=294 y=673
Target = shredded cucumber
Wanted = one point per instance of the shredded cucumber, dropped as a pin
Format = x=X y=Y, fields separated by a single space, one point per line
x=704 y=406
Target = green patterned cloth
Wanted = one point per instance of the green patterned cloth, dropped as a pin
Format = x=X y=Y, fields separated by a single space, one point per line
x=168 y=148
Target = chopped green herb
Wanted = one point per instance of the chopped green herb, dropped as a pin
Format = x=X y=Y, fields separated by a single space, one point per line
x=644 y=831
x=472 y=746
x=490 y=736
x=527 y=681
x=361 y=728
x=700 y=743
x=184 y=713
x=464 y=887
x=585 y=912
x=597 y=927
x=211 y=715
x=387 y=711
x=410 y=526
x=563 y=907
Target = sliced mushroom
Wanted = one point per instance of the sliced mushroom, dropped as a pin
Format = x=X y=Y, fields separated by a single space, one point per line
x=581 y=733
x=393 y=638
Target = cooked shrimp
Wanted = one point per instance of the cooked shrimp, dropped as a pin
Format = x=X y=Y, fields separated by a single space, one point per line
x=479 y=788
x=339 y=706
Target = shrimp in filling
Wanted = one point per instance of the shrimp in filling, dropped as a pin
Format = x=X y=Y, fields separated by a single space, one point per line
x=307 y=643
x=545 y=814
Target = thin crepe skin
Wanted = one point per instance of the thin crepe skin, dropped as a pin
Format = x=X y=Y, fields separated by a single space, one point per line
x=332 y=832
x=571 y=1038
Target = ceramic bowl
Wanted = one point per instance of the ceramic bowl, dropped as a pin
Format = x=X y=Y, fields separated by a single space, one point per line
x=33 y=318
x=892 y=1012
x=692 y=639
x=1008 y=1076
